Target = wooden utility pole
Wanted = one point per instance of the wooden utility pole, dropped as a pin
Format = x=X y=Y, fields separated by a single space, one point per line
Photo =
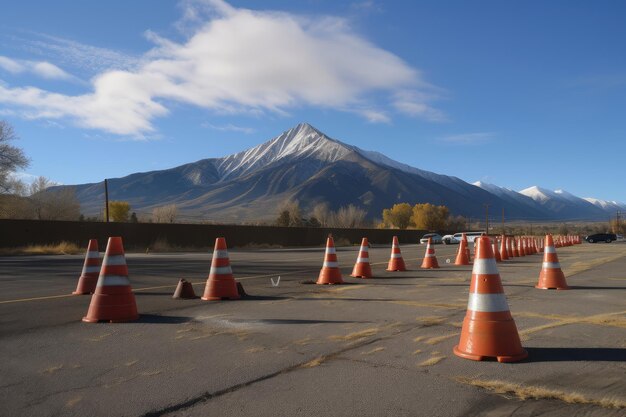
x=106 y=200
x=486 y=217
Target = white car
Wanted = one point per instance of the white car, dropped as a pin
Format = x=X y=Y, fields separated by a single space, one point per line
x=434 y=236
x=456 y=238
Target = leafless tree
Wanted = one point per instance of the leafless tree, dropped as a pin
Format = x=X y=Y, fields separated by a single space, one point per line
x=322 y=213
x=11 y=159
x=349 y=217
x=53 y=204
x=165 y=214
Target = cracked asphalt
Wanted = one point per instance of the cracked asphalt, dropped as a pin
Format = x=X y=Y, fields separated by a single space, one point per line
x=372 y=347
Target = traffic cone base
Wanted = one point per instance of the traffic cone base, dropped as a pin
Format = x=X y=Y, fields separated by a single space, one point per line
x=184 y=290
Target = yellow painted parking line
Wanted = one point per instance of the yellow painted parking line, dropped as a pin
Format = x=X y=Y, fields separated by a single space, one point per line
x=36 y=298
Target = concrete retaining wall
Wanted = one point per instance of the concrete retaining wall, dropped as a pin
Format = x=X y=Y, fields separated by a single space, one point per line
x=142 y=235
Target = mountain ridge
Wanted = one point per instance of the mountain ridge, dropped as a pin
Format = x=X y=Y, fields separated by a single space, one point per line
x=305 y=164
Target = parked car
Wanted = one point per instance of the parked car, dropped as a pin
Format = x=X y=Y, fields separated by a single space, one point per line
x=620 y=237
x=434 y=236
x=601 y=237
x=456 y=238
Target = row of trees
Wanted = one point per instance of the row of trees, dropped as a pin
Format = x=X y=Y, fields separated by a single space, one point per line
x=290 y=215
x=421 y=216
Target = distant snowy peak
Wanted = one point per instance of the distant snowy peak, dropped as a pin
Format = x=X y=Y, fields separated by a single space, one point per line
x=606 y=205
x=301 y=141
x=493 y=189
x=538 y=194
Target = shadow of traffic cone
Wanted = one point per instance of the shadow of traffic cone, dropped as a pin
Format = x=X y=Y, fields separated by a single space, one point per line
x=430 y=260
x=220 y=284
x=488 y=330
x=91 y=270
x=496 y=252
x=330 y=273
x=362 y=268
x=551 y=275
x=503 y=251
x=113 y=299
x=462 y=256
x=396 y=262
x=184 y=290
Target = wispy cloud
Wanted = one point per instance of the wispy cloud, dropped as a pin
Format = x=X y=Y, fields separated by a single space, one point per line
x=71 y=53
x=469 y=138
x=230 y=128
x=238 y=60
x=41 y=68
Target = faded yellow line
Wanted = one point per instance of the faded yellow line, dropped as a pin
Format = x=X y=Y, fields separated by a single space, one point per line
x=151 y=288
x=36 y=298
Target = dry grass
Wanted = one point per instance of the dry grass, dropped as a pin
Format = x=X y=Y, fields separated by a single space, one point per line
x=131 y=363
x=255 y=349
x=62 y=248
x=315 y=362
x=525 y=391
x=151 y=373
x=356 y=335
x=417 y=351
x=52 y=369
x=370 y=352
x=419 y=338
x=439 y=339
x=73 y=401
x=432 y=361
x=431 y=320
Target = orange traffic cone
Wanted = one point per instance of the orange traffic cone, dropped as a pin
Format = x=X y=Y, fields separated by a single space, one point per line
x=184 y=290
x=514 y=248
x=462 y=256
x=430 y=260
x=113 y=299
x=503 y=250
x=489 y=330
x=496 y=252
x=396 y=263
x=551 y=275
x=509 y=247
x=362 y=268
x=330 y=273
x=221 y=284
x=91 y=269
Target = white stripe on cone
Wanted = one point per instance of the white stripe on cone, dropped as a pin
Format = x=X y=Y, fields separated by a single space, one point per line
x=331 y=264
x=485 y=267
x=550 y=265
x=114 y=260
x=360 y=260
x=487 y=303
x=550 y=249
x=220 y=270
x=220 y=253
x=110 y=280
x=396 y=255
x=330 y=251
x=93 y=254
x=89 y=269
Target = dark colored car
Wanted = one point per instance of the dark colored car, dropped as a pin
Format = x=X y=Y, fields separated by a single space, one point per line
x=601 y=237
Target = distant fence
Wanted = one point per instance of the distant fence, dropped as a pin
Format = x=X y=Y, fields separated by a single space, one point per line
x=38 y=232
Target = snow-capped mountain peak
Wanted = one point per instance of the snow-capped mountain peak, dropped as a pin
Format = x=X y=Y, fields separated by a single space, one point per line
x=300 y=141
x=537 y=193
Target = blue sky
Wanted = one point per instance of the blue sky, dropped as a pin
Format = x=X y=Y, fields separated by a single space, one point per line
x=511 y=93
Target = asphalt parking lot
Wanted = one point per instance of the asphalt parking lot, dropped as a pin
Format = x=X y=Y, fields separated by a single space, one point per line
x=373 y=347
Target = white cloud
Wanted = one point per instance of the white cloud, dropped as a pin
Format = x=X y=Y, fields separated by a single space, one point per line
x=241 y=61
x=230 y=128
x=469 y=138
x=40 y=68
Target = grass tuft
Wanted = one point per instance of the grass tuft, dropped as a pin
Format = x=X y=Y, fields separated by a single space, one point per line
x=62 y=248
x=525 y=391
